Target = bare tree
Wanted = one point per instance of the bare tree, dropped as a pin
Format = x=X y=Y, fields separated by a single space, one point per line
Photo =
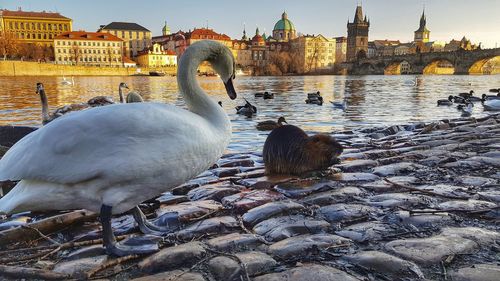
x=312 y=59
x=8 y=44
x=76 y=53
x=109 y=53
x=48 y=53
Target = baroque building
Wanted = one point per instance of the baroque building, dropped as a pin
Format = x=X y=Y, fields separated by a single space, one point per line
x=135 y=36
x=259 y=50
x=242 y=52
x=179 y=41
x=34 y=27
x=88 y=48
x=315 y=53
x=357 y=36
x=156 y=56
x=340 y=49
x=284 y=30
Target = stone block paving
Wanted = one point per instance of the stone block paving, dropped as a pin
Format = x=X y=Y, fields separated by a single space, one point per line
x=412 y=202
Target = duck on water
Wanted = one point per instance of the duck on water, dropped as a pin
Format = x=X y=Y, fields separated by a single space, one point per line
x=269 y=125
x=161 y=146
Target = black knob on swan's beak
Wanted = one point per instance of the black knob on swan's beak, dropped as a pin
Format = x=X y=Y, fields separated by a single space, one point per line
x=231 y=92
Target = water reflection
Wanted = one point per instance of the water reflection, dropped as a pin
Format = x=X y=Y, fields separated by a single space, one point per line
x=371 y=100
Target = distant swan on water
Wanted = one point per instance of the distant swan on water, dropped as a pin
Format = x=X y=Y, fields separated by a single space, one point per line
x=131 y=97
x=170 y=146
x=67 y=82
x=48 y=117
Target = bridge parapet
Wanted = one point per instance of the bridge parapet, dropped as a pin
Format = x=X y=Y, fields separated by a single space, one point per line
x=461 y=60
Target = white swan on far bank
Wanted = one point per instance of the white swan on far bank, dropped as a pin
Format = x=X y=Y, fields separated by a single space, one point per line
x=114 y=157
x=67 y=82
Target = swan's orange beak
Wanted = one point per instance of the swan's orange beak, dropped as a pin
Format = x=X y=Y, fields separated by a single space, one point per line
x=230 y=88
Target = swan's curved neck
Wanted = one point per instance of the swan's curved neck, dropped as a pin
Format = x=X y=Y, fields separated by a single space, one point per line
x=196 y=99
x=45 y=106
x=121 y=94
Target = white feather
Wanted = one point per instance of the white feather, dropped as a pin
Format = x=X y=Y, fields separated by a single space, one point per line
x=118 y=155
x=492 y=105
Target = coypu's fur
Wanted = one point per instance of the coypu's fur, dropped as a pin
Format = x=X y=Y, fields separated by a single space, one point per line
x=289 y=150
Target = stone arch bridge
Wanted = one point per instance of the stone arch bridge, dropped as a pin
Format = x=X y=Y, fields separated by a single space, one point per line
x=460 y=62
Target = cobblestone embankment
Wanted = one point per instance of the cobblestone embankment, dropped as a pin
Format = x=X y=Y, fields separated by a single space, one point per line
x=416 y=202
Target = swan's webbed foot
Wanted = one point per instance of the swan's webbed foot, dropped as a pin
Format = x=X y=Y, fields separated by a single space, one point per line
x=115 y=248
x=169 y=220
x=120 y=250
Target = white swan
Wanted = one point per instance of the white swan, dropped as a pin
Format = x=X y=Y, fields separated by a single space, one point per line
x=67 y=82
x=114 y=157
x=340 y=105
x=491 y=105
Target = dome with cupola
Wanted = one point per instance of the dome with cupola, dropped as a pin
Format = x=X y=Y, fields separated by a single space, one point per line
x=165 y=30
x=284 y=29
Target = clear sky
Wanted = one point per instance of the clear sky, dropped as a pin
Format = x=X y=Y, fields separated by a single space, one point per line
x=478 y=20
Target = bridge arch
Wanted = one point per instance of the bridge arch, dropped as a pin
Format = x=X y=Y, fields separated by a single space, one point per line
x=398 y=67
x=366 y=68
x=439 y=66
x=489 y=65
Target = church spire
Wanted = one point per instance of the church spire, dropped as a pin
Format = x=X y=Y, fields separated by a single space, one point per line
x=358 y=16
x=423 y=20
x=244 y=38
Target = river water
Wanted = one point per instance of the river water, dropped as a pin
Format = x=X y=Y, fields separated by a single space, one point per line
x=371 y=100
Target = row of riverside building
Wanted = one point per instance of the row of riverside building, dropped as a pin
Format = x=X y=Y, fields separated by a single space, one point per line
x=129 y=44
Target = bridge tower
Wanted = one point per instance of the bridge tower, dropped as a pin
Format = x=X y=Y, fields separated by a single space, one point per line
x=422 y=33
x=357 y=36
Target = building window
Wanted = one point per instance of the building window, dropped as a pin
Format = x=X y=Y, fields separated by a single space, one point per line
x=123 y=34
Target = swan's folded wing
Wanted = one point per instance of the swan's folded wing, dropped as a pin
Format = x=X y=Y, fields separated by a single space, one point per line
x=115 y=142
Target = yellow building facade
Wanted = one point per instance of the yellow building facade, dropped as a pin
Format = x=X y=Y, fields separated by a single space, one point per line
x=315 y=53
x=135 y=36
x=34 y=27
x=88 y=48
x=156 y=56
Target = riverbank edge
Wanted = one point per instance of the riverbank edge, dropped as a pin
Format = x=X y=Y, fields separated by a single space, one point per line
x=25 y=68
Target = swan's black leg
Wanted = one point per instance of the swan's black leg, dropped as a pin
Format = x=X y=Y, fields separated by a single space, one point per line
x=109 y=240
x=147 y=227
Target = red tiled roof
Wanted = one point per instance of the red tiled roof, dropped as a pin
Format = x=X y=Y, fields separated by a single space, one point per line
x=204 y=33
x=19 y=13
x=257 y=38
x=127 y=60
x=83 y=35
x=171 y=53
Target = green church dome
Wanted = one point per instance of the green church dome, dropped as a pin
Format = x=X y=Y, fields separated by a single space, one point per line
x=284 y=23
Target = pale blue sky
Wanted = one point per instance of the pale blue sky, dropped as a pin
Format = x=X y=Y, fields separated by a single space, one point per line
x=479 y=20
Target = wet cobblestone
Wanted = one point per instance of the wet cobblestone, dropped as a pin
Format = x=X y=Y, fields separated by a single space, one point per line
x=406 y=203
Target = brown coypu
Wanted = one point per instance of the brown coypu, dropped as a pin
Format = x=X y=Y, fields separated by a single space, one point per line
x=289 y=150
